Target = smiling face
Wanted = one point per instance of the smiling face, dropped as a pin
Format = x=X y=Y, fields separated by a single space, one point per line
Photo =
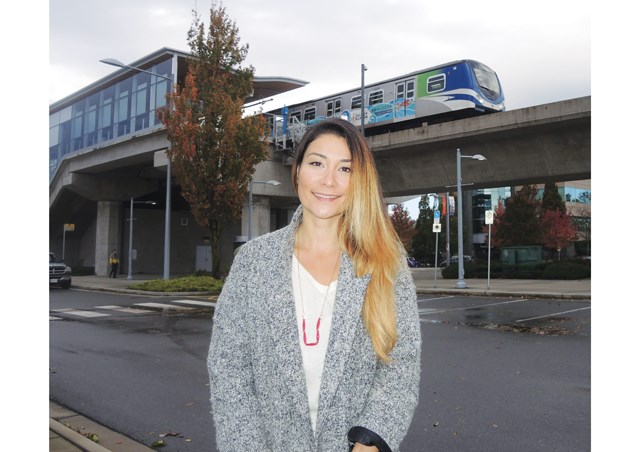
x=323 y=177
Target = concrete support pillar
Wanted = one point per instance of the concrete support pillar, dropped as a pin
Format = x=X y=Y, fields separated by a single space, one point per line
x=108 y=234
x=261 y=217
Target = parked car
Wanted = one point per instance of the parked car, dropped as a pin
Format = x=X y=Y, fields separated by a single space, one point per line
x=59 y=272
x=454 y=260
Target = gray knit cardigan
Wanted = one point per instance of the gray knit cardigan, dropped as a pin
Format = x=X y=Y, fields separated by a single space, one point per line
x=258 y=389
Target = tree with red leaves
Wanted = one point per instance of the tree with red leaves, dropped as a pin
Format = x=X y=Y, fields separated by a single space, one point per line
x=403 y=224
x=558 y=230
x=213 y=148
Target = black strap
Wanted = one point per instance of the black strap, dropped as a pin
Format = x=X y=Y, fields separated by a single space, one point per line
x=366 y=437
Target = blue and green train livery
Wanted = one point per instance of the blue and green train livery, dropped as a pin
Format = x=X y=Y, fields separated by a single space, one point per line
x=450 y=91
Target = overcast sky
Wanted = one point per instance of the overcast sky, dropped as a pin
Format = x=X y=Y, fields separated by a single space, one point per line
x=541 y=52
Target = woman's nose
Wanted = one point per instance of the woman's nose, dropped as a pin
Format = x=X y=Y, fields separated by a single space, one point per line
x=329 y=178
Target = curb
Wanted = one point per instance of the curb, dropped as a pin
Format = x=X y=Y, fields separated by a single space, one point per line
x=144 y=292
x=75 y=438
x=498 y=293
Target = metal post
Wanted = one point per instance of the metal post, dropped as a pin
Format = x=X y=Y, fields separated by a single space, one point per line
x=362 y=69
x=448 y=238
x=461 y=284
x=64 y=232
x=435 y=272
x=130 y=238
x=167 y=223
x=250 y=210
x=489 y=261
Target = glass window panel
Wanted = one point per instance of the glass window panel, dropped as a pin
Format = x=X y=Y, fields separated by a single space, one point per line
x=329 y=108
x=54 y=119
x=163 y=68
x=161 y=93
x=436 y=83
x=141 y=102
x=355 y=102
x=376 y=97
x=309 y=114
x=65 y=114
x=53 y=135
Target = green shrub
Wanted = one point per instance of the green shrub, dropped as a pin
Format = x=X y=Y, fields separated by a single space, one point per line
x=523 y=271
x=567 y=270
x=184 y=284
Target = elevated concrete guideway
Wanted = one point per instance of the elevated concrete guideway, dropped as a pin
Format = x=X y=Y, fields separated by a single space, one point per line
x=528 y=145
x=92 y=188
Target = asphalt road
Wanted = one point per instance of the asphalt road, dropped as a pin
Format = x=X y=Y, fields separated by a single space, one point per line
x=499 y=374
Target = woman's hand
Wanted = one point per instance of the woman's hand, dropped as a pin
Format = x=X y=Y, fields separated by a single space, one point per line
x=362 y=448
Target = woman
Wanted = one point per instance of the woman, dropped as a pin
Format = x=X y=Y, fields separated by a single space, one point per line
x=316 y=338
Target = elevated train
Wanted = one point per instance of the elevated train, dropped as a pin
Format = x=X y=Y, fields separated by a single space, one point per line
x=449 y=91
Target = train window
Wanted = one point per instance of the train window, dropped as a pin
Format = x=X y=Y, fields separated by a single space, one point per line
x=333 y=107
x=436 y=83
x=355 y=102
x=310 y=113
x=399 y=90
x=410 y=89
x=295 y=116
x=376 y=97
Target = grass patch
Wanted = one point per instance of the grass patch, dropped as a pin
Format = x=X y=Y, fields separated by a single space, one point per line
x=184 y=284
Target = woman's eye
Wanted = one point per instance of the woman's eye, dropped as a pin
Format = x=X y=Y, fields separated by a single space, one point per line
x=346 y=169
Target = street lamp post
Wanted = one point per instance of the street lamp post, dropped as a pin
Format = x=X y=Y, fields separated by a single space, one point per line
x=461 y=284
x=265 y=182
x=362 y=69
x=129 y=275
x=167 y=216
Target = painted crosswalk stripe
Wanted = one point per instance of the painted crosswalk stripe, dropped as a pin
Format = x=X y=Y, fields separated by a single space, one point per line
x=54 y=318
x=163 y=306
x=195 y=303
x=123 y=309
x=80 y=313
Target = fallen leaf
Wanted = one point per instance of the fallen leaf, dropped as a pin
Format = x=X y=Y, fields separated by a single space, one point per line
x=162 y=435
x=159 y=443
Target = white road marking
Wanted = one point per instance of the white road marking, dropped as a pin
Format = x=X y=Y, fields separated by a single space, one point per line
x=163 y=306
x=554 y=314
x=123 y=309
x=437 y=311
x=54 y=318
x=434 y=299
x=80 y=313
x=195 y=302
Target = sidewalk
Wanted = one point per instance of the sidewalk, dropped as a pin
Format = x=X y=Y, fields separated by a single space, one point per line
x=423 y=278
x=63 y=424
x=67 y=434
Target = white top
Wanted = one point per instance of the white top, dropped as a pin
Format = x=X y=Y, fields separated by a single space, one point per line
x=313 y=356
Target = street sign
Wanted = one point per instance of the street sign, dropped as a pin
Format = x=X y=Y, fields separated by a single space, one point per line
x=69 y=227
x=488 y=217
x=437 y=227
x=436 y=216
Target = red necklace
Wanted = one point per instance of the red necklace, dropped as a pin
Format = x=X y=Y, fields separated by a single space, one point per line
x=304 y=320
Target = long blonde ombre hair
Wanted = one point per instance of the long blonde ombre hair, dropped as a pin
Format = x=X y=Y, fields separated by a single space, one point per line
x=365 y=232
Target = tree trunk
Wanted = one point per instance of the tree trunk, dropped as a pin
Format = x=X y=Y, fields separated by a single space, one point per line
x=214 y=237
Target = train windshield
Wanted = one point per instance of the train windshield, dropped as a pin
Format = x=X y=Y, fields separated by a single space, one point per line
x=487 y=80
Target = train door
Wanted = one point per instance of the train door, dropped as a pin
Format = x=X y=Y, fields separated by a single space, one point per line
x=405 y=100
